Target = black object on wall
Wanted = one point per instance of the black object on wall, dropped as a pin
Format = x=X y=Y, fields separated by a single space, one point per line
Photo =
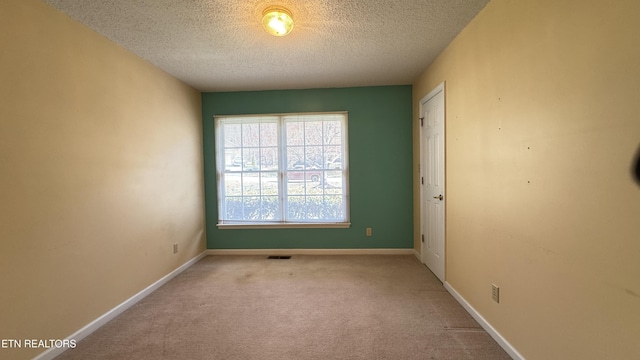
x=636 y=167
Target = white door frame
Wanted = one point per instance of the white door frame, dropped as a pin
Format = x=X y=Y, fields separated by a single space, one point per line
x=440 y=273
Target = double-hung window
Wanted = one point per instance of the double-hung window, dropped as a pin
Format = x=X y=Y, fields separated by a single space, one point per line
x=287 y=170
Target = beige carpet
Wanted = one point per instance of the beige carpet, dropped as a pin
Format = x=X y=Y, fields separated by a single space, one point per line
x=307 y=307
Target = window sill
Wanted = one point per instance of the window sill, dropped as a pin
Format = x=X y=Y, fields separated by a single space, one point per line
x=286 y=226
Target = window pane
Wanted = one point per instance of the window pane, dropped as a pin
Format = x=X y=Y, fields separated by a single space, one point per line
x=294 y=133
x=252 y=208
x=250 y=159
x=313 y=208
x=269 y=134
x=250 y=135
x=333 y=182
x=270 y=209
x=333 y=208
x=232 y=158
x=233 y=208
x=296 y=207
x=250 y=185
x=314 y=157
x=295 y=157
x=232 y=184
x=269 y=158
x=332 y=133
x=269 y=183
x=295 y=187
x=316 y=188
x=313 y=133
x=232 y=135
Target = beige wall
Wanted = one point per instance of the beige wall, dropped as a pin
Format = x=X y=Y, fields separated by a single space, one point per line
x=101 y=172
x=542 y=126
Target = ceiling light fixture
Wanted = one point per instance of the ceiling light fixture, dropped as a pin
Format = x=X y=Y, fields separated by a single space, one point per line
x=277 y=20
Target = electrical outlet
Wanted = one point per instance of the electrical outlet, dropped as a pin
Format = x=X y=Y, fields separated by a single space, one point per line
x=369 y=232
x=175 y=248
x=495 y=293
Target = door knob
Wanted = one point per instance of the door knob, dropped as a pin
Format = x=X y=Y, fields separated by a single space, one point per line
x=438 y=197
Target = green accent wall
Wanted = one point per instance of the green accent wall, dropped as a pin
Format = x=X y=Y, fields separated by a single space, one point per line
x=380 y=166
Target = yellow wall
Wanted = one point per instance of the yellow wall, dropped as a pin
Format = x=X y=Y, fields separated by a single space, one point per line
x=542 y=126
x=101 y=172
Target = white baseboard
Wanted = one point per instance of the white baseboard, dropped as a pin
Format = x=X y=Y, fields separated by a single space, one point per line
x=485 y=324
x=417 y=255
x=111 y=314
x=285 y=252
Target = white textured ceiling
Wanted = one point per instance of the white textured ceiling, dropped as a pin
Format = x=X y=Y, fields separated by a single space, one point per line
x=219 y=45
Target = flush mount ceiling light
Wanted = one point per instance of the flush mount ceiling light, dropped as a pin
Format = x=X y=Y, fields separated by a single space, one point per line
x=277 y=20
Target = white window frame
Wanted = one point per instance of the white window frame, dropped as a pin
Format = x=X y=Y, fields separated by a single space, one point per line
x=222 y=168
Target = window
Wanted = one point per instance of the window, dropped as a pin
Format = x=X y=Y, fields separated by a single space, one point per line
x=286 y=170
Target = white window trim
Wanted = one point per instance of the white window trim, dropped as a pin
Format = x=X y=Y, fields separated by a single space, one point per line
x=283 y=225
x=230 y=224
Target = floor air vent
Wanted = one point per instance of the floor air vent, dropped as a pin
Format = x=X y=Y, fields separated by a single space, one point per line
x=279 y=257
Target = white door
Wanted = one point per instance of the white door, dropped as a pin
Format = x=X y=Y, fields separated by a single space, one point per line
x=432 y=180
